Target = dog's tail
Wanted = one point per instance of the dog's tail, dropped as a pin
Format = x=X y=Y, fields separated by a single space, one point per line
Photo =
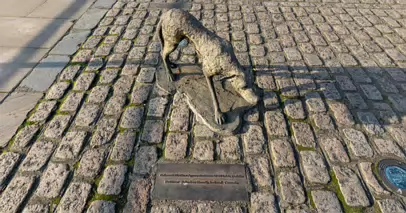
x=159 y=34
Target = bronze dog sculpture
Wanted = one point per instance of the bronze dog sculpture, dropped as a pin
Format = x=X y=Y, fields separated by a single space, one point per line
x=216 y=54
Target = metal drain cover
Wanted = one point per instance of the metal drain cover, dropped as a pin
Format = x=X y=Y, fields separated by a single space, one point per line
x=393 y=175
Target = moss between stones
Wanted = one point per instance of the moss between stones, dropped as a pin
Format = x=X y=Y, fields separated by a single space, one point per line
x=302 y=148
x=333 y=185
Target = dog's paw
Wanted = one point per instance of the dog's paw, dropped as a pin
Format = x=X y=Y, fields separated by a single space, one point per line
x=220 y=119
x=249 y=96
x=170 y=77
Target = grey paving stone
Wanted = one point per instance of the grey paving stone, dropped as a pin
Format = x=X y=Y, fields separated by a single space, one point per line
x=294 y=109
x=350 y=187
x=390 y=206
x=8 y=161
x=72 y=102
x=370 y=179
x=260 y=170
x=253 y=139
x=291 y=188
x=108 y=76
x=84 y=81
x=323 y=121
x=115 y=105
x=202 y=131
x=145 y=159
x=101 y=206
x=146 y=75
x=13 y=112
x=175 y=146
x=42 y=112
x=330 y=91
x=153 y=131
x=94 y=64
x=123 y=147
x=287 y=87
x=314 y=102
x=37 y=157
x=399 y=134
x=356 y=101
x=252 y=115
x=203 y=151
x=24 y=136
x=156 y=106
x=138 y=196
x=303 y=134
x=388 y=148
x=104 y=132
x=314 y=167
x=342 y=114
x=35 y=208
x=358 y=143
x=326 y=201
x=132 y=117
x=113 y=178
x=371 y=92
x=98 y=94
x=398 y=102
x=262 y=202
x=370 y=123
x=282 y=153
x=44 y=74
x=70 y=146
x=57 y=126
x=229 y=148
x=57 y=90
x=345 y=83
x=334 y=149
x=70 y=43
x=140 y=93
x=90 y=19
x=52 y=181
x=275 y=123
x=270 y=100
x=90 y=163
x=165 y=208
x=15 y=193
x=75 y=197
x=180 y=118
x=87 y=115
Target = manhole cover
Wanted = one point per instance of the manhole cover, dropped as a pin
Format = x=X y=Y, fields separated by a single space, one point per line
x=393 y=175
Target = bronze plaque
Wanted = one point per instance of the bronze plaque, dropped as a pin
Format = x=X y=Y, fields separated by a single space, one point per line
x=224 y=182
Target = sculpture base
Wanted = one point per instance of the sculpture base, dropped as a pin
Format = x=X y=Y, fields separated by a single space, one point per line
x=193 y=85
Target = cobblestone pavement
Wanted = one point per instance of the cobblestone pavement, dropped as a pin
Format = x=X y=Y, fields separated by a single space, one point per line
x=332 y=76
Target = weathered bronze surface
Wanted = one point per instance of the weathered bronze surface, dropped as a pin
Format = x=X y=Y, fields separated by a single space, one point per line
x=223 y=182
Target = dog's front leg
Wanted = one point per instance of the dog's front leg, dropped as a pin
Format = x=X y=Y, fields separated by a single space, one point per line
x=217 y=113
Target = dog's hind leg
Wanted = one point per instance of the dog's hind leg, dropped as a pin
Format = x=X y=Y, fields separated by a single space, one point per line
x=217 y=113
x=168 y=48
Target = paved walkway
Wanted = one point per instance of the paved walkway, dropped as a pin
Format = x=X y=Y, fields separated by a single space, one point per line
x=331 y=73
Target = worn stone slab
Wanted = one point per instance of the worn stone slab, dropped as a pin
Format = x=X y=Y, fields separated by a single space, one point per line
x=259 y=167
x=229 y=148
x=61 y=9
x=15 y=63
x=52 y=181
x=123 y=147
x=203 y=151
x=57 y=126
x=358 y=143
x=176 y=145
x=24 y=136
x=390 y=206
x=75 y=197
x=18 y=8
x=334 y=149
x=303 y=134
x=70 y=43
x=90 y=19
x=351 y=188
x=70 y=146
x=15 y=193
x=275 y=124
x=7 y=162
x=253 y=139
x=370 y=179
x=282 y=153
x=44 y=74
x=32 y=32
x=104 y=132
x=13 y=111
x=145 y=160
x=36 y=207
